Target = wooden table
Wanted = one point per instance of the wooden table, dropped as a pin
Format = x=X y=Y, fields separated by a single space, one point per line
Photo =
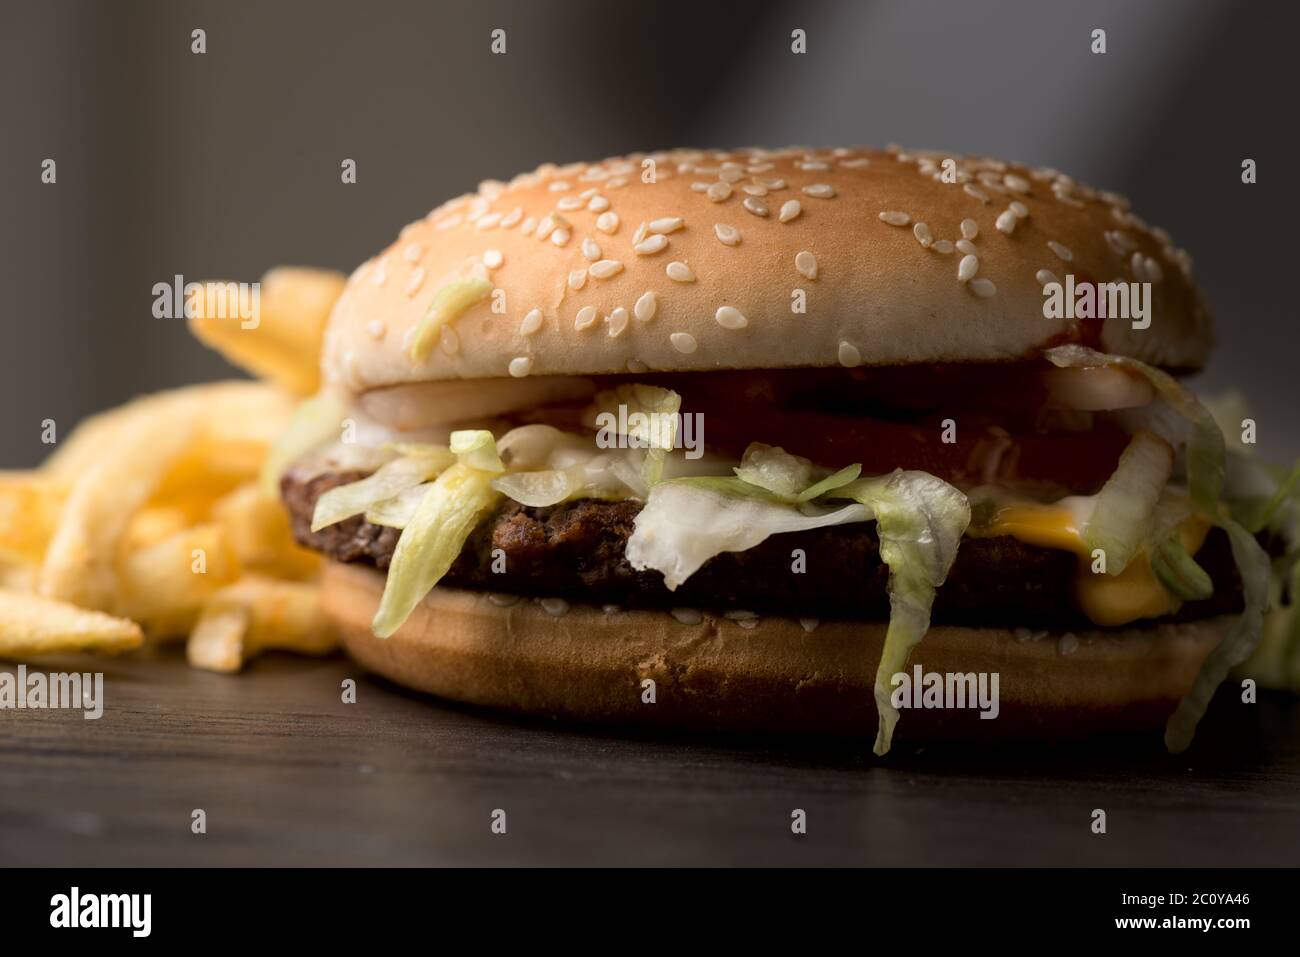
x=289 y=774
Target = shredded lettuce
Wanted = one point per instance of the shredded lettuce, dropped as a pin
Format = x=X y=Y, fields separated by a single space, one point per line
x=316 y=421
x=920 y=520
x=646 y=415
x=477 y=449
x=1235 y=647
x=433 y=537
x=391 y=479
x=685 y=522
x=1179 y=572
x=1206 y=457
x=1122 y=520
x=396 y=512
x=786 y=476
x=448 y=303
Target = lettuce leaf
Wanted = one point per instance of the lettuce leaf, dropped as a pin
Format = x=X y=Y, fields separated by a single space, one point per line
x=388 y=481
x=1121 y=523
x=920 y=520
x=685 y=522
x=450 y=509
x=316 y=421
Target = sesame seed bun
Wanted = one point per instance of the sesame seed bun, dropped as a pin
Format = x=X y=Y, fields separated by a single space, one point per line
x=708 y=283
x=583 y=663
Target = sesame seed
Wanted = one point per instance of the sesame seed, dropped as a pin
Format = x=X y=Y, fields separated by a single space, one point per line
x=529 y=225
x=560 y=237
x=820 y=191
x=558 y=186
x=755 y=206
x=700 y=187
x=729 y=317
x=719 y=192
x=666 y=224
x=1120 y=242
x=1019 y=209
x=598 y=204
x=651 y=245
x=413 y=252
x=381 y=273
x=849 y=355
x=417 y=277
x=568 y=204
x=683 y=342
x=770 y=183
x=510 y=219
x=532 y=322
x=1044 y=276
x=546 y=227
x=727 y=235
x=577 y=279
x=814 y=167
x=487 y=221
x=1154 y=272
x=645 y=307
x=617 y=322
x=969 y=229
x=806 y=263
x=855 y=163
x=492 y=258
x=972 y=190
x=1017 y=184
x=1062 y=252
x=590 y=249
x=585 y=319
x=789 y=210
x=755 y=190
x=376 y=328
x=730 y=175
x=895 y=217
x=680 y=272
x=1006 y=222
x=983 y=287
x=606 y=268
x=607 y=222
x=520 y=366
x=923 y=235
x=968 y=267
x=942 y=246
x=641 y=233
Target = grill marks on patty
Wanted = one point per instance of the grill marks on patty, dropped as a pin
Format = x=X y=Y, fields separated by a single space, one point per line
x=576 y=551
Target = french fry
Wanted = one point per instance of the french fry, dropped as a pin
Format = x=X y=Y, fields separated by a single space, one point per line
x=29 y=511
x=165 y=585
x=283 y=342
x=257 y=527
x=30 y=625
x=255 y=614
x=125 y=472
x=152 y=524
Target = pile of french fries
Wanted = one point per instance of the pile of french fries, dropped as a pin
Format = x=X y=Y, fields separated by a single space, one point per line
x=148 y=523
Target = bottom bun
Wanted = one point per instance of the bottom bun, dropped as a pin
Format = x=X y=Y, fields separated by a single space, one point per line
x=587 y=664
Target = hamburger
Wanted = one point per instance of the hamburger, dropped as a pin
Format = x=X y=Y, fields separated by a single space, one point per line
x=806 y=441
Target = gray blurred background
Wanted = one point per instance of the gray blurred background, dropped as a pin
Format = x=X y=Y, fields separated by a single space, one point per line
x=222 y=165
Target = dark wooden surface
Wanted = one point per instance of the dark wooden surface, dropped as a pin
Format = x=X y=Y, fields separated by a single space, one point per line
x=288 y=774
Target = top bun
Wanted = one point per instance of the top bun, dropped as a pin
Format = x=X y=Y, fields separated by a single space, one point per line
x=692 y=260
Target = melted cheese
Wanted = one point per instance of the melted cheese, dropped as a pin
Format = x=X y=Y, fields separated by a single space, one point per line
x=1107 y=600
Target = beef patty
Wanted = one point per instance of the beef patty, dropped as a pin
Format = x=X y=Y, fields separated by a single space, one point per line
x=576 y=551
